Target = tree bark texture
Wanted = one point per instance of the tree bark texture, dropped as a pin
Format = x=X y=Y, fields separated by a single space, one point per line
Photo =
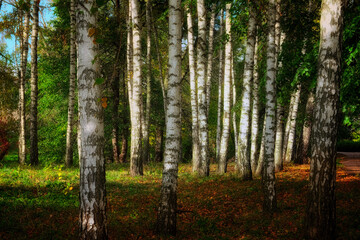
x=23 y=64
x=227 y=98
x=210 y=58
x=260 y=163
x=244 y=164
x=201 y=89
x=92 y=165
x=321 y=217
x=233 y=103
x=288 y=124
x=166 y=221
x=34 y=151
x=268 y=175
x=72 y=81
x=279 y=137
x=193 y=94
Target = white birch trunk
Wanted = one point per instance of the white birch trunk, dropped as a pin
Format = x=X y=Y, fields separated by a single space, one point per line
x=72 y=80
x=220 y=83
x=268 y=176
x=321 y=208
x=92 y=165
x=34 y=152
x=136 y=167
x=193 y=94
x=23 y=64
x=233 y=103
x=279 y=137
x=210 y=58
x=255 y=113
x=288 y=124
x=244 y=164
x=166 y=221
x=201 y=88
x=227 y=98
x=260 y=163
x=292 y=129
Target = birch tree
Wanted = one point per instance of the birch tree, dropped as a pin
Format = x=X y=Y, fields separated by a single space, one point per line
x=92 y=164
x=210 y=58
x=34 y=152
x=201 y=89
x=166 y=221
x=226 y=97
x=321 y=218
x=23 y=63
x=193 y=93
x=268 y=175
x=220 y=83
x=70 y=121
x=244 y=126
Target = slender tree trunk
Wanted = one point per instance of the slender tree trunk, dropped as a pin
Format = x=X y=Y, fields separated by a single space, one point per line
x=34 y=152
x=159 y=144
x=321 y=215
x=92 y=168
x=233 y=103
x=115 y=114
x=70 y=121
x=210 y=58
x=220 y=83
x=125 y=121
x=291 y=138
x=23 y=64
x=145 y=150
x=193 y=94
x=279 y=137
x=306 y=133
x=260 y=163
x=288 y=124
x=244 y=169
x=201 y=89
x=268 y=176
x=166 y=221
x=255 y=113
x=227 y=100
x=136 y=165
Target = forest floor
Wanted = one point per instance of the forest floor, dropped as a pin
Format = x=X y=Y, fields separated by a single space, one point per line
x=351 y=162
x=42 y=203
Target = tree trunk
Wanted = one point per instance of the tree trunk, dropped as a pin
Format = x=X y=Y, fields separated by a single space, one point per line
x=279 y=137
x=260 y=163
x=145 y=150
x=125 y=124
x=70 y=121
x=193 y=94
x=92 y=168
x=227 y=98
x=292 y=129
x=23 y=64
x=34 y=152
x=288 y=124
x=159 y=144
x=244 y=169
x=255 y=113
x=306 y=133
x=220 y=83
x=268 y=176
x=136 y=165
x=233 y=103
x=166 y=221
x=210 y=58
x=321 y=217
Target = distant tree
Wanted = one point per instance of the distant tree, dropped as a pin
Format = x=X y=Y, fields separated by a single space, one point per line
x=92 y=165
x=321 y=207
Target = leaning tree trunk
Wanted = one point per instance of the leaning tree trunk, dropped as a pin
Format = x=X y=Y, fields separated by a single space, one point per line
x=70 y=121
x=145 y=150
x=166 y=221
x=227 y=97
x=201 y=89
x=268 y=175
x=136 y=165
x=321 y=217
x=292 y=129
x=193 y=94
x=34 y=152
x=260 y=162
x=244 y=126
x=254 y=113
x=24 y=54
x=92 y=165
x=306 y=133
x=288 y=124
x=210 y=58
x=220 y=83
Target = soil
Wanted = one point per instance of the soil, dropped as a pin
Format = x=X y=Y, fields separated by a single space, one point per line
x=350 y=161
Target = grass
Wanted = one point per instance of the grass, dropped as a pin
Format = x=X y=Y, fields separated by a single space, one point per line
x=42 y=203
